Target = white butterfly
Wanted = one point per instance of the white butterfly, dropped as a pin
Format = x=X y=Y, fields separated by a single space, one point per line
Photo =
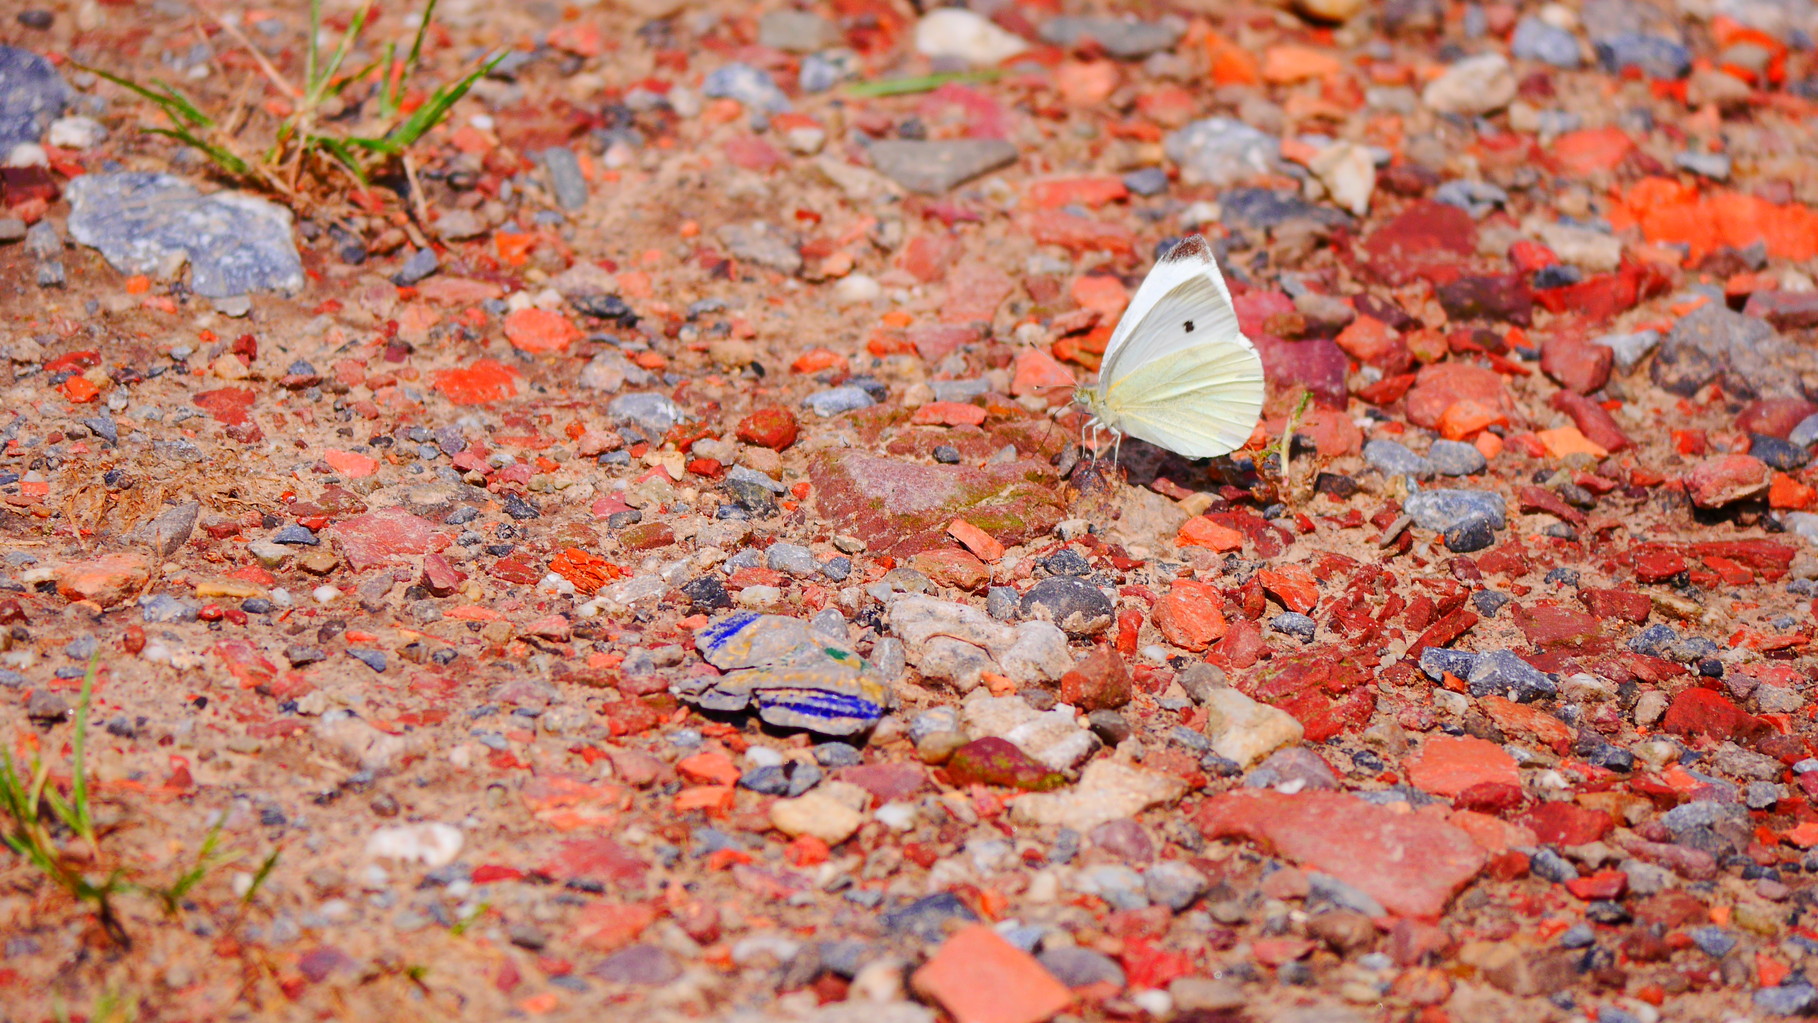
x=1178 y=372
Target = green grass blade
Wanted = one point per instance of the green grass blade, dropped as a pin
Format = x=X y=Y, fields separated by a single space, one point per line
x=390 y=88
x=318 y=85
x=261 y=875
x=315 y=33
x=416 y=46
x=172 y=102
x=431 y=112
x=84 y=822
x=920 y=83
x=342 y=154
x=222 y=158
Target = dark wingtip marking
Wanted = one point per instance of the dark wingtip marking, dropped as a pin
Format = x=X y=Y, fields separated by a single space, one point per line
x=1193 y=246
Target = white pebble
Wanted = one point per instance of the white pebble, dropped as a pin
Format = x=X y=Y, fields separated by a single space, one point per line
x=953 y=32
x=763 y=756
x=856 y=289
x=77 y=132
x=325 y=594
x=431 y=844
x=897 y=816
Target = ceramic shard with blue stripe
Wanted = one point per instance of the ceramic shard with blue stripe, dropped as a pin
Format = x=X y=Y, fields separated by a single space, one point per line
x=796 y=678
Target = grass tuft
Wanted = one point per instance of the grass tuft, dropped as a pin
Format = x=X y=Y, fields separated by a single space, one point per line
x=33 y=813
x=361 y=123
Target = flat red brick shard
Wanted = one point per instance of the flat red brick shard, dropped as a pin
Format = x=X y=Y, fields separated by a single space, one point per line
x=1411 y=863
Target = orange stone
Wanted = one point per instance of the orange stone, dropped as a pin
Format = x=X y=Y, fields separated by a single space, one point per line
x=1293 y=585
x=485 y=381
x=1564 y=441
x=1189 y=616
x=976 y=540
x=540 y=331
x=978 y=977
x=1787 y=492
x=948 y=413
x=1447 y=766
x=1285 y=65
x=1101 y=293
x=350 y=464
x=1037 y=372
x=1090 y=190
x=708 y=768
x=1200 y=531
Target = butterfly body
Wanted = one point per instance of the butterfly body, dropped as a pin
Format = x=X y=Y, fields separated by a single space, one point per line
x=1178 y=372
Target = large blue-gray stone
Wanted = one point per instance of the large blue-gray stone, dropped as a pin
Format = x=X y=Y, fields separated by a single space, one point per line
x=152 y=224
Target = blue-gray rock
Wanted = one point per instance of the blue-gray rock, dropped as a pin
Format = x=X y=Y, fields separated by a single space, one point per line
x=374 y=659
x=1478 y=198
x=1470 y=535
x=1262 y=209
x=1075 y=605
x=1437 y=662
x=1663 y=641
x=1077 y=967
x=1329 y=889
x=1489 y=602
x=823 y=71
x=652 y=413
x=932 y=167
x=1001 y=602
x=1456 y=458
x=1629 y=349
x=763 y=243
x=1125 y=40
x=170 y=529
x=1549 y=865
x=421 y=264
x=1655 y=56
x=835 y=400
x=152 y=224
x=42 y=240
x=1504 y=673
x=837 y=569
x=1392 y=458
x=104 y=428
x=295 y=535
x=162 y=607
x=926 y=918
x=1441 y=510
x=1715 y=166
x=792 y=558
x=1703 y=813
x=742 y=474
x=1534 y=39
x=639 y=965
x=1147 y=181
x=1806 y=433
x=1779 y=454
x=1293 y=623
x=1222 y=151
x=1715 y=942
x=563 y=169
x=32 y=94
x=1579 y=935
x=1787 y=999
x=749 y=85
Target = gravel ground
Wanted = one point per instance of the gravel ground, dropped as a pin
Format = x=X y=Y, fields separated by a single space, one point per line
x=649 y=565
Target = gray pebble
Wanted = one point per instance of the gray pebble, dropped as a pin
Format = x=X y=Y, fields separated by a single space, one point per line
x=1456 y=458
x=1393 y=458
x=839 y=399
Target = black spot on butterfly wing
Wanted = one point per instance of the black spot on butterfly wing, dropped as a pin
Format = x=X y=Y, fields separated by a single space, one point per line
x=1189 y=326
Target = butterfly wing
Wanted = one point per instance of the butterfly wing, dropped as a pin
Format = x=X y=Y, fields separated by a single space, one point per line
x=1194 y=314
x=1178 y=372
